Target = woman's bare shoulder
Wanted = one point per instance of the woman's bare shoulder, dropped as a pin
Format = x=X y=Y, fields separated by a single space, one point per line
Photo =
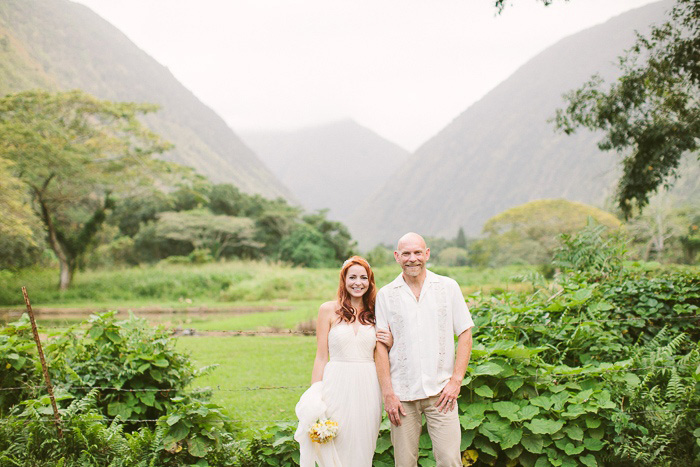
x=329 y=307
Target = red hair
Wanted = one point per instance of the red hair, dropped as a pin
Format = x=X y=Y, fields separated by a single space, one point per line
x=346 y=311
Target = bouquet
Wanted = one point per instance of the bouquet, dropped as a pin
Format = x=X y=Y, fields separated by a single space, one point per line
x=323 y=430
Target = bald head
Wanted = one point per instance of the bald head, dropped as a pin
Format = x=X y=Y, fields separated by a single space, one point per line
x=412 y=254
x=411 y=238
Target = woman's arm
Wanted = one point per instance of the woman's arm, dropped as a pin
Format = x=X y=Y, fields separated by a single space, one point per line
x=323 y=327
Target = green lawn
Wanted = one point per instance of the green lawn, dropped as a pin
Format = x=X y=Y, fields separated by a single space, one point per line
x=254 y=362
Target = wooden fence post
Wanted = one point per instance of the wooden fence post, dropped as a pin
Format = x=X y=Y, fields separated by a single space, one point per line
x=44 y=367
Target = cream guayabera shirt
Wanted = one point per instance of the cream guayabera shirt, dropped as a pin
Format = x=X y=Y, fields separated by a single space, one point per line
x=423 y=355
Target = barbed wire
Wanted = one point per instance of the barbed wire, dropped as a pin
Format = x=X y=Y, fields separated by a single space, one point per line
x=257 y=421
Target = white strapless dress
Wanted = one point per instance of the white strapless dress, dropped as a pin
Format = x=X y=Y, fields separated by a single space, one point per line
x=352 y=397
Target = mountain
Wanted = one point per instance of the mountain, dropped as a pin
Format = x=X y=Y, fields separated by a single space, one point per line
x=58 y=45
x=502 y=151
x=334 y=166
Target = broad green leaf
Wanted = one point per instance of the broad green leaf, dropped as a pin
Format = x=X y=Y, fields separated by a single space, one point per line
x=176 y=433
x=476 y=409
x=383 y=444
x=574 y=432
x=161 y=362
x=514 y=383
x=197 y=446
x=148 y=398
x=467 y=439
x=469 y=423
x=573 y=411
x=542 y=461
x=511 y=438
x=173 y=419
x=588 y=460
x=527 y=412
x=488 y=368
x=544 y=426
x=119 y=408
x=533 y=443
x=425 y=442
x=514 y=452
x=592 y=422
x=494 y=431
x=507 y=409
x=483 y=445
x=593 y=444
x=542 y=401
x=484 y=391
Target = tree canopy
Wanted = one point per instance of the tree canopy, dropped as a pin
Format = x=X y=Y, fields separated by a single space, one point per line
x=651 y=114
x=73 y=152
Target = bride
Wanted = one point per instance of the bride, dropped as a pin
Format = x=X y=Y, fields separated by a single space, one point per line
x=345 y=389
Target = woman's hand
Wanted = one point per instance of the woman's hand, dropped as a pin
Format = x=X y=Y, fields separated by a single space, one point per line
x=385 y=337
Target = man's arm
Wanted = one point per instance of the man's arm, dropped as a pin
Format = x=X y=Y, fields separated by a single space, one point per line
x=449 y=394
x=392 y=404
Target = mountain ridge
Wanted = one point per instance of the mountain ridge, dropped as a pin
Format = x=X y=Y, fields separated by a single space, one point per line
x=60 y=45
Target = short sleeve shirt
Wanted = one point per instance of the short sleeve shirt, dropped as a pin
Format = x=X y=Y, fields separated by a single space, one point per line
x=423 y=355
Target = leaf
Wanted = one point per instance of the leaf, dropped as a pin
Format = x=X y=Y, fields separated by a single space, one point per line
x=383 y=444
x=173 y=419
x=119 y=408
x=469 y=457
x=425 y=442
x=483 y=445
x=574 y=432
x=533 y=443
x=514 y=452
x=514 y=383
x=488 y=368
x=197 y=446
x=511 y=438
x=593 y=444
x=467 y=439
x=542 y=401
x=573 y=411
x=527 y=412
x=161 y=362
x=542 y=461
x=484 y=391
x=507 y=409
x=592 y=422
x=544 y=426
x=176 y=433
x=494 y=431
x=469 y=423
x=588 y=460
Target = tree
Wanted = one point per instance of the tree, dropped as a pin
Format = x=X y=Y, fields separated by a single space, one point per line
x=204 y=230
x=308 y=247
x=17 y=220
x=529 y=233
x=461 y=239
x=75 y=154
x=651 y=114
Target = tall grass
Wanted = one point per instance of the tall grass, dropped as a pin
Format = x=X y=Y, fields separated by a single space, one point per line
x=211 y=284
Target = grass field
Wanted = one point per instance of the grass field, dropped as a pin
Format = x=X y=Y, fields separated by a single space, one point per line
x=254 y=362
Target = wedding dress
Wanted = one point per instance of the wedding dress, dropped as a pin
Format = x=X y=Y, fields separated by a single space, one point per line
x=351 y=396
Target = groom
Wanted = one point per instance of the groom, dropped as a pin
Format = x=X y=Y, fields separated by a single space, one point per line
x=420 y=375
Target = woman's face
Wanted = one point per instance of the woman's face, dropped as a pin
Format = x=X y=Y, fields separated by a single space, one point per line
x=356 y=281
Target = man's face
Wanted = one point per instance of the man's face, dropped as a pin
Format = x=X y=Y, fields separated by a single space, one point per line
x=412 y=255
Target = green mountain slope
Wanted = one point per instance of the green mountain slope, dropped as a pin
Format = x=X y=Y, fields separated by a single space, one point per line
x=502 y=151
x=334 y=166
x=57 y=44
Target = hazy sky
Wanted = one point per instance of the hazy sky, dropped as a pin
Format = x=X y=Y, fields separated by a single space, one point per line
x=403 y=68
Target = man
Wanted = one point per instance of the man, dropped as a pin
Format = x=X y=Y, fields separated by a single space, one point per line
x=420 y=375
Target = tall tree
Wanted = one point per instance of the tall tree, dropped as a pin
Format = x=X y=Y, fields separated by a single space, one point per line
x=75 y=153
x=651 y=115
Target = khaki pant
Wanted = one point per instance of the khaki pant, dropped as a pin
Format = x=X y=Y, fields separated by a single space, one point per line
x=443 y=428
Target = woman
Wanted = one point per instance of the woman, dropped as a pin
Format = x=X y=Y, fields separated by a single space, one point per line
x=346 y=386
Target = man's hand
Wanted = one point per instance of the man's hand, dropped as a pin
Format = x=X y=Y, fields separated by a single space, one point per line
x=448 y=396
x=394 y=409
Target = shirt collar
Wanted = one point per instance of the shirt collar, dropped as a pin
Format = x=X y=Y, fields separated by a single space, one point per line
x=429 y=277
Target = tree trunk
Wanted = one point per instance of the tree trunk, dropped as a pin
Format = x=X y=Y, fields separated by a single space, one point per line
x=66 y=263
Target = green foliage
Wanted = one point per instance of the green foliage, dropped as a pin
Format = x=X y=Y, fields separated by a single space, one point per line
x=453 y=256
x=17 y=356
x=651 y=114
x=529 y=233
x=71 y=151
x=138 y=361
x=589 y=251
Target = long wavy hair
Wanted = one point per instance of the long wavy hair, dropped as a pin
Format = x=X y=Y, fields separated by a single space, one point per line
x=346 y=311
